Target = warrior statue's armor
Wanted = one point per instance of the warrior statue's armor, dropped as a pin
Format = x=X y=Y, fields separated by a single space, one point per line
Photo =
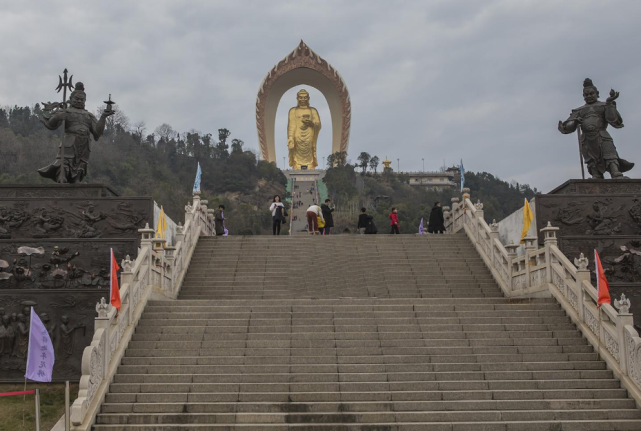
x=79 y=125
x=597 y=146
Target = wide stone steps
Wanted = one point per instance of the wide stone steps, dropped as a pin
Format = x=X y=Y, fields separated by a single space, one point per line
x=377 y=334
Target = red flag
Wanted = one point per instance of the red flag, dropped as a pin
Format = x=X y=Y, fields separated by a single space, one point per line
x=114 y=291
x=602 y=286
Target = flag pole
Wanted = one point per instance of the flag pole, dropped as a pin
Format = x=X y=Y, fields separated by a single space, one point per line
x=598 y=350
x=578 y=134
x=67 y=412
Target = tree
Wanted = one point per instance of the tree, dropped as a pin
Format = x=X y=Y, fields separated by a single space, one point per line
x=373 y=164
x=165 y=132
x=330 y=161
x=237 y=146
x=364 y=159
x=139 y=130
x=221 y=150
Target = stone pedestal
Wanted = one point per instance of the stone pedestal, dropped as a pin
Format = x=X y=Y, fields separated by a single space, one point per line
x=604 y=215
x=55 y=241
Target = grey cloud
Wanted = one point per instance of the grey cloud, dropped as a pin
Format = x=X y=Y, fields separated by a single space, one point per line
x=485 y=81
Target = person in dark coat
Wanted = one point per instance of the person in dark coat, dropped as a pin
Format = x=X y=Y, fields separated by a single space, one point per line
x=219 y=220
x=327 y=215
x=362 y=221
x=436 y=223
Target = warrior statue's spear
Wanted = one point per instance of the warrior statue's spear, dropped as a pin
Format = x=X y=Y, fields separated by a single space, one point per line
x=63 y=84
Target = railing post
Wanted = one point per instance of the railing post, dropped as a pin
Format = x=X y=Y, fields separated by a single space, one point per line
x=446 y=215
x=170 y=259
x=494 y=235
x=455 y=211
x=549 y=235
x=582 y=274
x=210 y=221
x=530 y=247
x=147 y=235
x=106 y=317
x=479 y=216
x=127 y=277
x=624 y=318
x=511 y=255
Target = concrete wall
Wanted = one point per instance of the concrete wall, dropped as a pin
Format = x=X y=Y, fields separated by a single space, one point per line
x=510 y=227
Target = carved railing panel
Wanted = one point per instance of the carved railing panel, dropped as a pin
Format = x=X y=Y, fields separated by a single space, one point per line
x=547 y=271
x=159 y=268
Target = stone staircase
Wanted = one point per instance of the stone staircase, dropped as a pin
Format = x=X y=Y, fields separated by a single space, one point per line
x=357 y=333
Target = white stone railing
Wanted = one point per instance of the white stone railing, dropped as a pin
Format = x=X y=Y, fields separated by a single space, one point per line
x=157 y=272
x=547 y=272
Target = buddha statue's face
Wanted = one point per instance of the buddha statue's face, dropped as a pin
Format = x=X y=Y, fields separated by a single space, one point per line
x=303 y=99
x=590 y=95
x=78 y=100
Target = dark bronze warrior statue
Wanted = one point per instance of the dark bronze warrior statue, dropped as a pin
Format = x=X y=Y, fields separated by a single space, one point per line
x=597 y=146
x=78 y=125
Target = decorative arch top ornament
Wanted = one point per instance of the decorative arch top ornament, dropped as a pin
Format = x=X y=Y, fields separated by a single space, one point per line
x=302 y=67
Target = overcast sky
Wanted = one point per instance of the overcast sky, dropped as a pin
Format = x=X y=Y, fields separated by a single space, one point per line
x=485 y=81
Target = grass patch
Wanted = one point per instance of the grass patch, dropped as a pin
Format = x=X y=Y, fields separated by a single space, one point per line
x=52 y=406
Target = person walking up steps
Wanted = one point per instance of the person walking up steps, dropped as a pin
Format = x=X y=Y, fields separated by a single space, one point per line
x=396 y=229
x=278 y=214
x=313 y=212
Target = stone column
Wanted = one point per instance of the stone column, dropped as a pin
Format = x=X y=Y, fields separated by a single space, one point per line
x=494 y=235
x=549 y=234
x=447 y=218
x=530 y=246
x=480 y=214
x=582 y=274
x=466 y=194
x=147 y=235
x=624 y=318
x=170 y=268
x=127 y=277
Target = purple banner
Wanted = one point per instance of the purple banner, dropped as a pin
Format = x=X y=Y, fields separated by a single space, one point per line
x=40 y=357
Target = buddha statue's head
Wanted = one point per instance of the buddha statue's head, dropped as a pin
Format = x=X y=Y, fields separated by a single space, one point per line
x=590 y=93
x=303 y=99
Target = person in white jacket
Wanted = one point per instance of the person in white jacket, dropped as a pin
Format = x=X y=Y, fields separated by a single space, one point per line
x=313 y=213
x=278 y=214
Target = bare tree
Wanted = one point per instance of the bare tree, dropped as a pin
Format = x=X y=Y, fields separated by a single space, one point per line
x=139 y=130
x=165 y=132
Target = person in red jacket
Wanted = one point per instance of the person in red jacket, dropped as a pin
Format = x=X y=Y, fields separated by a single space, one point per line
x=396 y=229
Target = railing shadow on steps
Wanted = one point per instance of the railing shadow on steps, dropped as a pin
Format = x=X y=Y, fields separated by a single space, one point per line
x=157 y=272
x=547 y=272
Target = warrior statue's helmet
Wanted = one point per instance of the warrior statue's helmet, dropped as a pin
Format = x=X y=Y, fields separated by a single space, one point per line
x=587 y=83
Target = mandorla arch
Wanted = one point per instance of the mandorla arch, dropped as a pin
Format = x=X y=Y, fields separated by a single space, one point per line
x=302 y=67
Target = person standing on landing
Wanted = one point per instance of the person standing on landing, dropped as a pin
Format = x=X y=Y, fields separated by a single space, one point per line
x=396 y=229
x=327 y=215
x=437 y=221
x=278 y=214
x=313 y=213
x=219 y=220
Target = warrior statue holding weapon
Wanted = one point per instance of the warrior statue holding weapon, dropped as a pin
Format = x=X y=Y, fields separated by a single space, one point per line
x=78 y=126
x=595 y=143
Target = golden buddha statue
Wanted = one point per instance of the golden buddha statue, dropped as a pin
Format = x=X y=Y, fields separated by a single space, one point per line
x=302 y=133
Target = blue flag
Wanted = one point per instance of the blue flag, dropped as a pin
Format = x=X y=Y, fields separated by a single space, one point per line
x=462 y=175
x=197 y=181
x=420 y=227
x=40 y=356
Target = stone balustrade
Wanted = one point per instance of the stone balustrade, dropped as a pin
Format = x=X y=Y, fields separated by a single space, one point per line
x=158 y=271
x=545 y=272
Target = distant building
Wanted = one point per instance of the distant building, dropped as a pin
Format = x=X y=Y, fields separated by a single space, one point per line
x=440 y=180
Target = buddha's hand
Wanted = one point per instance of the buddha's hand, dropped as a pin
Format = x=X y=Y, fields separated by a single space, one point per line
x=290 y=143
x=614 y=95
x=308 y=122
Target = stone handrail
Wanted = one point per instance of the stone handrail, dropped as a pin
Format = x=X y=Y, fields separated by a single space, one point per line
x=157 y=272
x=547 y=272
